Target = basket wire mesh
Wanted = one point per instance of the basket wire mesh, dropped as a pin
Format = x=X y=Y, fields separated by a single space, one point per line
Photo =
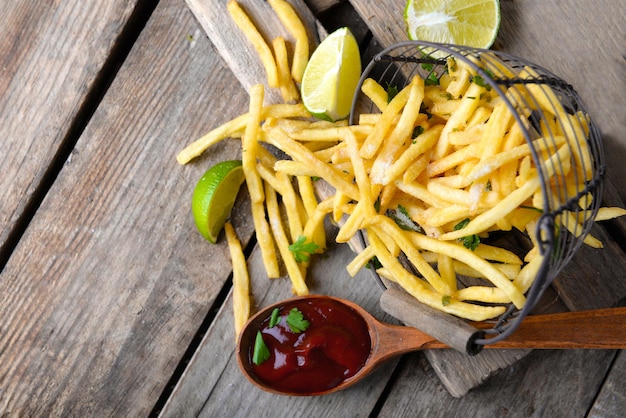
x=524 y=87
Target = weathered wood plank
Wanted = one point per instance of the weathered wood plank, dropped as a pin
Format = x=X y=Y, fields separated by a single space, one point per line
x=46 y=73
x=108 y=286
x=213 y=384
x=322 y=6
x=594 y=278
x=611 y=401
x=546 y=383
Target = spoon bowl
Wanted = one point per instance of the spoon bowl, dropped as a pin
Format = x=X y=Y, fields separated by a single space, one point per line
x=597 y=329
x=386 y=341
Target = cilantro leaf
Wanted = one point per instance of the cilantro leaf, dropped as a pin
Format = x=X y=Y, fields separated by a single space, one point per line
x=302 y=250
x=471 y=241
x=296 y=321
x=274 y=318
x=261 y=352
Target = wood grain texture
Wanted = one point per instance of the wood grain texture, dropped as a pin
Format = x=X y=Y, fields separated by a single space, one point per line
x=545 y=383
x=322 y=6
x=50 y=55
x=232 y=44
x=109 y=284
x=611 y=400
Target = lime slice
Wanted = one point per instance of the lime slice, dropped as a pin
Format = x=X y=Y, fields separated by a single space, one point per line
x=472 y=23
x=214 y=197
x=331 y=76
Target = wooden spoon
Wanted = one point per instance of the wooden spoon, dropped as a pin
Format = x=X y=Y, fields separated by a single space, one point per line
x=595 y=329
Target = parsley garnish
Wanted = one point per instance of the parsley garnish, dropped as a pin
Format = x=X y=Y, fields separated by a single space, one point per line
x=431 y=80
x=445 y=300
x=481 y=82
x=296 y=321
x=471 y=241
x=374 y=263
x=302 y=250
x=417 y=131
x=402 y=218
x=392 y=91
x=274 y=318
x=261 y=352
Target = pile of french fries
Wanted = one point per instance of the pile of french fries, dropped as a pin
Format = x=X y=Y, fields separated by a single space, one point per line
x=438 y=156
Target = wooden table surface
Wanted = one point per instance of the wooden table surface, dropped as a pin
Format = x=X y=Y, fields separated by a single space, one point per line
x=111 y=304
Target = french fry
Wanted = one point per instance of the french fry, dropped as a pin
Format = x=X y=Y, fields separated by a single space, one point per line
x=235 y=127
x=607 y=213
x=296 y=276
x=360 y=260
x=376 y=93
x=250 y=144
x=379 y=224
x=294 y=25
x=255 y=183
x=400 y=136
x=488 y=218
x=288 y=89
x=376 y=137
x=241 y=279
x=298 y=152
x=242 y=20
x=459 y=117
x=468 y=257
x=419 y=291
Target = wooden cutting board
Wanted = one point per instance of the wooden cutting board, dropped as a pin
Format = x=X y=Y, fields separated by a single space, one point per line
x=458 y=372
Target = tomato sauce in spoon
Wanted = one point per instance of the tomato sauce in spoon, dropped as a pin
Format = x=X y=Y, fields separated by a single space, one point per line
x=334 y=346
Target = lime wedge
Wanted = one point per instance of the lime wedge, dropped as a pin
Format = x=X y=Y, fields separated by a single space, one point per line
x=472 y=23
x=331 y=76
x=214 y=197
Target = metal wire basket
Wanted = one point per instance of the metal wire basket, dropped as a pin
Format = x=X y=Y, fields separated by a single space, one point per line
x=518 y=83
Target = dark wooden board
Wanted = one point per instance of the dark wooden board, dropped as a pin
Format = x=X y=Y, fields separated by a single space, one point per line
x=50 y=56
x=110 y=283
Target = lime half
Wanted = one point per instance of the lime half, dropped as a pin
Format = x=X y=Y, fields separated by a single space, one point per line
x=472 y=23
x=214 y=197
x=331 y=76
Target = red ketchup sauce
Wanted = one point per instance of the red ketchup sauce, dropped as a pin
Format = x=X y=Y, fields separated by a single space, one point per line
x=333 y=348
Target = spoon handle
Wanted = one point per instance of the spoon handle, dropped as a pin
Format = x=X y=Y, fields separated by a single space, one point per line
x=601 y=328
